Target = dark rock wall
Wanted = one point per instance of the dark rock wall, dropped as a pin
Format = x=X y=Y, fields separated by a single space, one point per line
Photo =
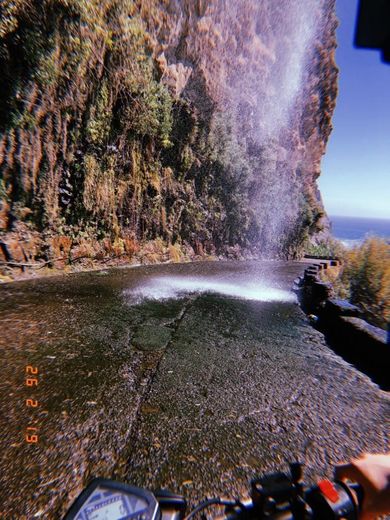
x=201 y=123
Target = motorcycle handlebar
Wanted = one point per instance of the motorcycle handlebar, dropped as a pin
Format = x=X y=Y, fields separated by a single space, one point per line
x=279 y=496
x=274 y=496
x=325 y=501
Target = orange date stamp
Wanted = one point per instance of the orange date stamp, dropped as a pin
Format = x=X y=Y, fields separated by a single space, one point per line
x=31 y=435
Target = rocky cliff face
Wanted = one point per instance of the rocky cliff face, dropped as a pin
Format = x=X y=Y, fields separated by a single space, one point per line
x=163 y=126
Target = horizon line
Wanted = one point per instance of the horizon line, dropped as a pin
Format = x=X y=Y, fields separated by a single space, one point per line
x=358 y=216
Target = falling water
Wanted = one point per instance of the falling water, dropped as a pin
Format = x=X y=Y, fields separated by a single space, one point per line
x=262 y=56
x=284 y=33
x=288 y=30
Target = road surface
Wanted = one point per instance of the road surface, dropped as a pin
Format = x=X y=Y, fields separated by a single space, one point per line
x=192 y=377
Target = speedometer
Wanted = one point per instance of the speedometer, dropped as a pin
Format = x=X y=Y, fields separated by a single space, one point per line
x=109 y=500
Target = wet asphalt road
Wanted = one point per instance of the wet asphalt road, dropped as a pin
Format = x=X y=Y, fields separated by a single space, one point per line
x=196 y=392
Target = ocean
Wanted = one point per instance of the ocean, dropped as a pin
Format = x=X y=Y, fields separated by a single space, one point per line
x=352 y=231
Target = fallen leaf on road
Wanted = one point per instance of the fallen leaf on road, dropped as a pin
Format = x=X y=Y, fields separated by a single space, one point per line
x=147 y=408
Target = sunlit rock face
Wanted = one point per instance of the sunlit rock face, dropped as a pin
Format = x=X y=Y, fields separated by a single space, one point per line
x=200 y=122
x=268 y=68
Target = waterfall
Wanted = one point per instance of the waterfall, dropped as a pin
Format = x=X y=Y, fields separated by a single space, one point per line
x=261 y=54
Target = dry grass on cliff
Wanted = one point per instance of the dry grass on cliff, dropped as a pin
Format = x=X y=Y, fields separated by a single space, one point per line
x=365 y=279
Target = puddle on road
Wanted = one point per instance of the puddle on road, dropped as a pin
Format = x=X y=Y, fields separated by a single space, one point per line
x=174 y=287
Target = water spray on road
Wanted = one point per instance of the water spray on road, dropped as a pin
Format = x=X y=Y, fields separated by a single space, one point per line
x=173 y=287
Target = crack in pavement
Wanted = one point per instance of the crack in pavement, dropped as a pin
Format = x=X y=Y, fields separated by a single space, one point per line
x=121 y=467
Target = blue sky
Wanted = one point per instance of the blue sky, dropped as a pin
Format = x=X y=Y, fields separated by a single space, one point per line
x=355 y=179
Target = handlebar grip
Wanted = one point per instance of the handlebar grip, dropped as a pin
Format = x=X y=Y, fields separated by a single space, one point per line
x=333 y=500
x=355 y=490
